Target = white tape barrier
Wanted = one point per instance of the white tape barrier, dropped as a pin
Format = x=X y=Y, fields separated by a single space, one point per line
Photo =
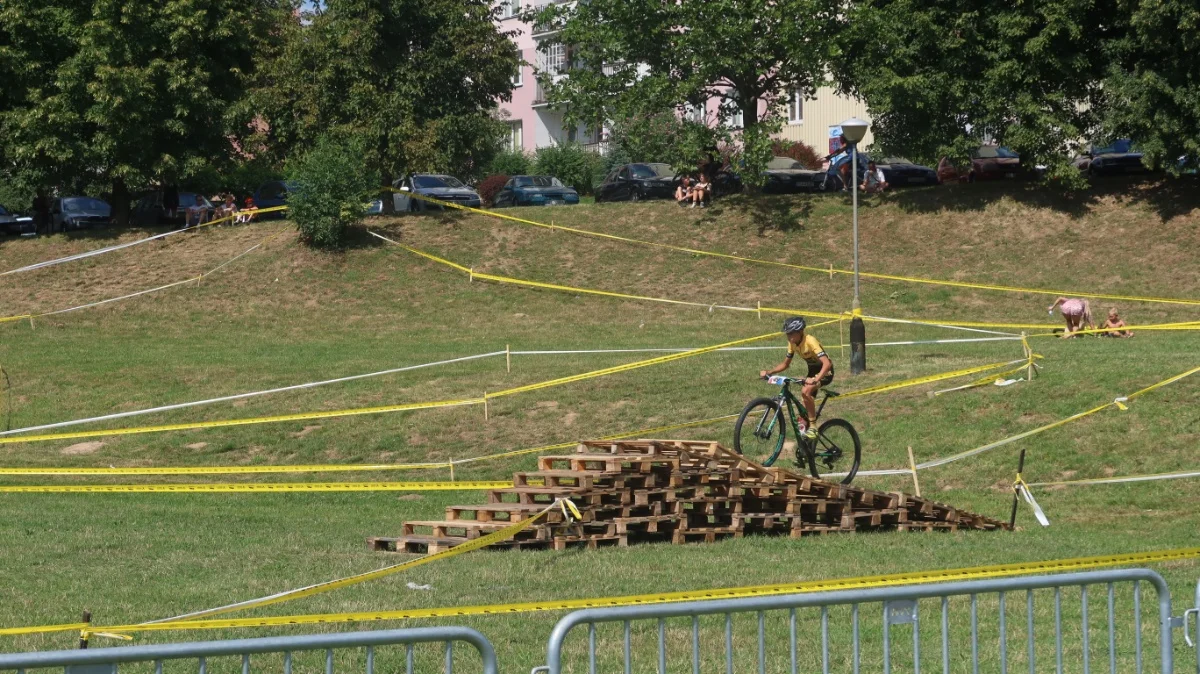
x=938 y=325
x=90 y=253
x=241 y=396
x=1120 y=480
x=139 y=293
x=297 y=387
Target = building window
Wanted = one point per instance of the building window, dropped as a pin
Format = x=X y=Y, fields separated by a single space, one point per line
x=552 y=58
x=509 y=8
x=519 y=78
x=735 y=120
x=795 y=107
x=516 y=141
x=694 y=113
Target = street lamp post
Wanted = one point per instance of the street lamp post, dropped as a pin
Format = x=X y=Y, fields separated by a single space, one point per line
x=855 y=129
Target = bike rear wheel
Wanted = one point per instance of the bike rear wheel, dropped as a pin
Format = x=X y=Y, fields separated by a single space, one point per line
x=836 y=449
x=759 y=432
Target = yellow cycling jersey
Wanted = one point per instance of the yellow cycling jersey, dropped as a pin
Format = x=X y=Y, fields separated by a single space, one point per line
x=810 y=350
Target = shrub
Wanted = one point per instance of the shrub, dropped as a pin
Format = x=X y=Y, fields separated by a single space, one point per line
x=570 y=163
x=509 y=163
x=490 y=187
x=334 y=186
x=801 y=152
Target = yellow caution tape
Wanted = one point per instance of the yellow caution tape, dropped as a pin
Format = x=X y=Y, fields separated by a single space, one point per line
x=302 y=416
x=306 y=416
x=929 y=379
x=321 y=588
x=247 y=487
x=854 y=583
x=43 y=629
x=828 y=270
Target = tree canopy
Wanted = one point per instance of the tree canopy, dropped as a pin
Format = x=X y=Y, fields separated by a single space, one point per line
x=124 y=90
x=631 y=59
x=416 y=81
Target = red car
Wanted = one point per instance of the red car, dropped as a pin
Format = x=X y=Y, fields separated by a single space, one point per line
x=988 y=162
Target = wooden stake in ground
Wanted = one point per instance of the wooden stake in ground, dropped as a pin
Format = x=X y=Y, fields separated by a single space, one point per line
x=485 y=406
x=912 y=465
x=1012 y=519
x=83 y=635
x=507 y=358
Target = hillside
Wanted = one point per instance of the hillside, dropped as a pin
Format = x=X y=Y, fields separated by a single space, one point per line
x=285 y=315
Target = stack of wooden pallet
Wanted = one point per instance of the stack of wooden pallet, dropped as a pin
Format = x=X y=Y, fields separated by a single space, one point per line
x=673 y=490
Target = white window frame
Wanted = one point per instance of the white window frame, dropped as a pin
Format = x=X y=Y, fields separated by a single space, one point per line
x=695 y=113
x=552 y=59
x=509 y=8
x=518 y=80
x=516 y=136
x=736 y=120
x=796 y=107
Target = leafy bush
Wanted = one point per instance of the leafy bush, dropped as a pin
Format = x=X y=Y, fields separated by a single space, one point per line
x=509 y=163
x=490 y=187
x=801 y=152
x=335 y=184
x=570 y=163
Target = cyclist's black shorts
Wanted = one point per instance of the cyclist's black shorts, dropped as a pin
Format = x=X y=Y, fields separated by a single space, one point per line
x=814 y=369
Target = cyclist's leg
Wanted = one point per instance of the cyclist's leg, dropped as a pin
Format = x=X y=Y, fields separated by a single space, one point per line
x=809 y=392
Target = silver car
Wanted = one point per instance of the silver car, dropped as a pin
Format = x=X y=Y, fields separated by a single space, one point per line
x=67 y=213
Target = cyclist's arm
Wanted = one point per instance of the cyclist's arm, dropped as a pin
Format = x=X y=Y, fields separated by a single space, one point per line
x=826 y=366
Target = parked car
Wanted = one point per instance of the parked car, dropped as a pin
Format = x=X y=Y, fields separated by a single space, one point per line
x=1116 y=159
x=634 y=182
x=785 y=175
x=988 y=162
x=272 y=194
x=441 y=187
x=67 y=213
x=900 y=172
x=535 y=191
x=148 y=211
x=11 y=223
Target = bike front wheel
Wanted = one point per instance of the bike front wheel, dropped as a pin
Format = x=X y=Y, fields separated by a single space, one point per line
x=836 y=449
x=759 y=432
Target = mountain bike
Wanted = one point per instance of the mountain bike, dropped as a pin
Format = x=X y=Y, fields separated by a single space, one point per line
x=761 y=429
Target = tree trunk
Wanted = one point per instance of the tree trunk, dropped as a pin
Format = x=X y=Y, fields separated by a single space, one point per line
x=120 y=204
x=389 y=201
x=749 y=104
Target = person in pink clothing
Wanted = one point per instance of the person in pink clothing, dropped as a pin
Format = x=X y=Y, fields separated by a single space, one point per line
x=1075 y=312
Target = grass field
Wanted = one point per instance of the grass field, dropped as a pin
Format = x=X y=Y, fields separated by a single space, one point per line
x=286 y=315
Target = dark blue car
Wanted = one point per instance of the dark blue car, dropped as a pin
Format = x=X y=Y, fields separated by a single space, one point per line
x=272 y=194
x=535 y=191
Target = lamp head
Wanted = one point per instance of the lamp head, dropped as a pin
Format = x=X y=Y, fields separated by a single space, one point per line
x=855 y=129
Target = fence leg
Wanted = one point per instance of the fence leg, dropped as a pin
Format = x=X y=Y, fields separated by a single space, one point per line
x=912 y=465
x=1012 y=519
x=1028 y=358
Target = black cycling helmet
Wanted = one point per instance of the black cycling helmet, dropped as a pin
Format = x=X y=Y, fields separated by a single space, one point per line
x=794 y=324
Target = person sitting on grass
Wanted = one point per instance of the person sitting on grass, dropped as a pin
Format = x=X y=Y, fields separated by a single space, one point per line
x=197 y=214
x=1113 y=326
x=1075 y=312
x=873 y=181
x=229 y=209
x=247 y=213
x=820 y=367
x=702 y=193
x=683 y=192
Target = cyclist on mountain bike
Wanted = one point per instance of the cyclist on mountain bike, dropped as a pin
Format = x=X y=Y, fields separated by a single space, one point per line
x=820 y=367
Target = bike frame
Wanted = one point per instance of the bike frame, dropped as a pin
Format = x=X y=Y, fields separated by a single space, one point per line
x=796 y=407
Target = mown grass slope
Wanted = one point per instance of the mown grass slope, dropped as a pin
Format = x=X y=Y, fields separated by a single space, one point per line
x=286 y=315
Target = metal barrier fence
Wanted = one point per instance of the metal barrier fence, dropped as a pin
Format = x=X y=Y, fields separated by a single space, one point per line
x=981 y=607
x=1194 y=611
x=105 y=660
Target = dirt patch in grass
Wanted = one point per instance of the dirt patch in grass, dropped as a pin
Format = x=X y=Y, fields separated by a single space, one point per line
x=81 y=448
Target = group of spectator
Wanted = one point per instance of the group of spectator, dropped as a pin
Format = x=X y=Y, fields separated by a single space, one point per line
x=691 y=192
x=224 y=208
x=1077 y=312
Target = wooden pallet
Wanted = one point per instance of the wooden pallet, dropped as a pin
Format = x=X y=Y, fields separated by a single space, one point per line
x=681 y=491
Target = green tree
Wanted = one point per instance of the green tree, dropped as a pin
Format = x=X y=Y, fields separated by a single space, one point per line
x=1152 y=91
x=939 y=75
x=124 y=91
x=417 y=81
x=335 y=183
x=633 y=58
